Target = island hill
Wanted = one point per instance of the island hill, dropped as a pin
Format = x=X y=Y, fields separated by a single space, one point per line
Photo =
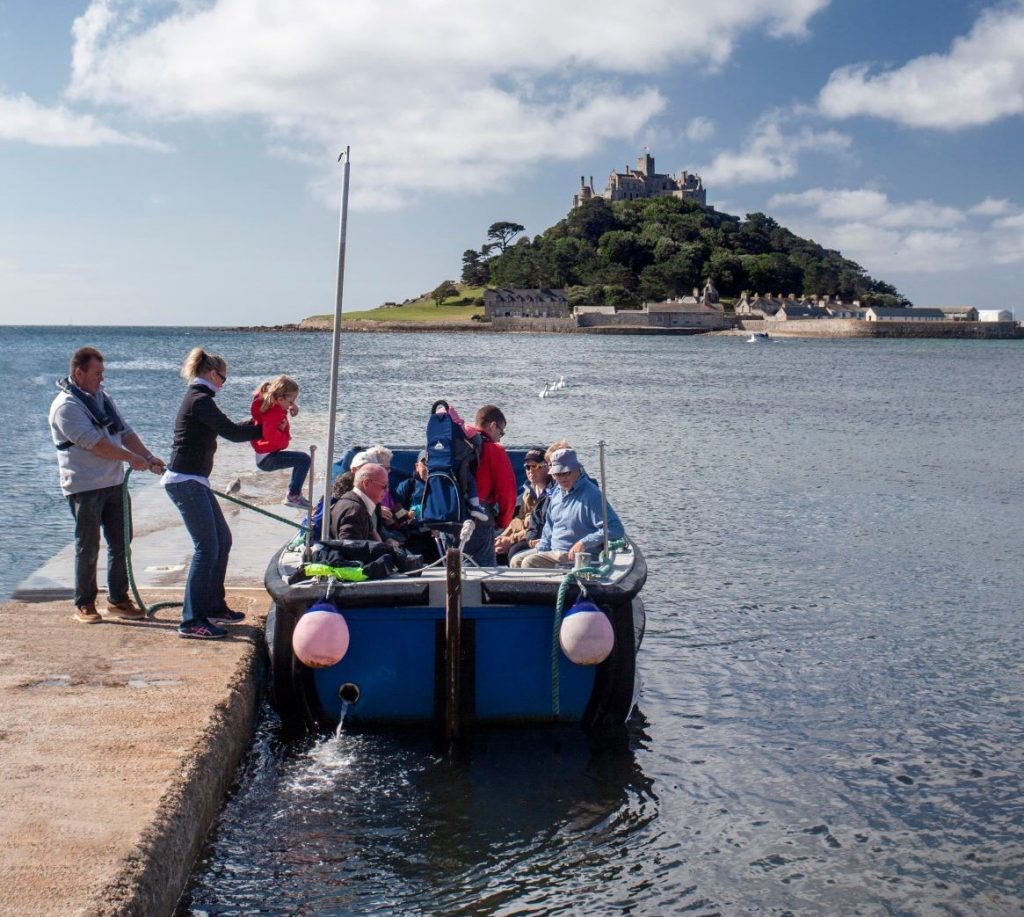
x=649 y=256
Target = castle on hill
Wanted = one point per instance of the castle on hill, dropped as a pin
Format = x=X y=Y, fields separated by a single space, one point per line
x=643 y=181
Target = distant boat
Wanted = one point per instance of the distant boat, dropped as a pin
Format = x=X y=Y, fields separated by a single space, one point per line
x=759 y=337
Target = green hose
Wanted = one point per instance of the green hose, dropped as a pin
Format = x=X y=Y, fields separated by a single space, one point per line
x=151 y=609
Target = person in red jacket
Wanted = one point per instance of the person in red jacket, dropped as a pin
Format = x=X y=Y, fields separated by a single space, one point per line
x=495 y=483
x=272 y=404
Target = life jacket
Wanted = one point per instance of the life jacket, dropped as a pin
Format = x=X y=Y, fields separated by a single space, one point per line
x=452 y=458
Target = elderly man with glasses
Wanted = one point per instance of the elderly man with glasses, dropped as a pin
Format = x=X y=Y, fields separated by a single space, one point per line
x=574 y=522
x=354 y=516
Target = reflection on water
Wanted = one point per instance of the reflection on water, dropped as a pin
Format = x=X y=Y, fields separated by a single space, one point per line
x=394 y=823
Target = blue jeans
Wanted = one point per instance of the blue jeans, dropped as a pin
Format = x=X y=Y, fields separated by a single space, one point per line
x=94 y=510
x=204 y=588
x=297 y=461
x=481 y=544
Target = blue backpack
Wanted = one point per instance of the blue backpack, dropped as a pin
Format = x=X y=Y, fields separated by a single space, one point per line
x=451 y=460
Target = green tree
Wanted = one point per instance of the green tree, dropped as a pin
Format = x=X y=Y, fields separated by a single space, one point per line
x=445 y=290
x=625 y=248
x=726 y=272
x=501 y=234
x=474 y=268
x=591 y=220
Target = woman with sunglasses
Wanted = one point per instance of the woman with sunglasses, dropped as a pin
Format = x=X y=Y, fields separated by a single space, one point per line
x=196 y=428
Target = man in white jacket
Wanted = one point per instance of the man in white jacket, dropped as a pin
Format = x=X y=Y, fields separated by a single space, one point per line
x=93 y=442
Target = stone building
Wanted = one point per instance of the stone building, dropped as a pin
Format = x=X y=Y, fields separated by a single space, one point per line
x=674 y=314
x=642 y=182
x=995 y=315
x=791 y=312
x=959 y=313
x=878 y=314
x=523 y=303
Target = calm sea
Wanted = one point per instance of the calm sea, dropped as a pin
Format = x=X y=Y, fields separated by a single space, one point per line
x=831 y=719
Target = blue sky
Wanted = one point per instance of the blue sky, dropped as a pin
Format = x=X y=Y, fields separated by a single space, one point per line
x=175 y=162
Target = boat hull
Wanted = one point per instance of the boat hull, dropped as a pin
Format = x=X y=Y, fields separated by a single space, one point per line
x=511 y=669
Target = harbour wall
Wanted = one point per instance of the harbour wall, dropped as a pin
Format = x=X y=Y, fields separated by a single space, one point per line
x=120 y=740
x=855 y=328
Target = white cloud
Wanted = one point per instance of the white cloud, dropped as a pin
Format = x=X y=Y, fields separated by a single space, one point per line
x=978 y=81
x=865 y=204
x=991 y=207
x=770 y=153
x=884 y=235
x=431 y=96
x=699 y=129
x=23 y=119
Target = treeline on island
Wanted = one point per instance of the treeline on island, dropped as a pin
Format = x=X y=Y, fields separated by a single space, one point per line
x=625 y=253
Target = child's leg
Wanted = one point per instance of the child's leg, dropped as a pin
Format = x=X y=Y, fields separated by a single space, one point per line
x=297 y=461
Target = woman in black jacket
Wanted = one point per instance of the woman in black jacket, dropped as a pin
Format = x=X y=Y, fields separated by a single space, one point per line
x=198 y=424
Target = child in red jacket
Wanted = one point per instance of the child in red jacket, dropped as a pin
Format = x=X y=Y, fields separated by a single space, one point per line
x=272 y=404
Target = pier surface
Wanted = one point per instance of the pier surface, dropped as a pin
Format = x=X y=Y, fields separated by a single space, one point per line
x=118 y=741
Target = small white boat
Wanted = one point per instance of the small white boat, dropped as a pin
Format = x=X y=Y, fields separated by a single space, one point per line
x=759 y=337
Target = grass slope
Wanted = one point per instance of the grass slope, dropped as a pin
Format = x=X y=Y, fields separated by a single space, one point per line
x=455 y=308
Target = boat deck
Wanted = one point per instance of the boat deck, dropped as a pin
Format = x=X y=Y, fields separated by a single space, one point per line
x=477 y=582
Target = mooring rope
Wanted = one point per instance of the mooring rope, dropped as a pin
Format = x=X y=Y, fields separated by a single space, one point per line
x=150 y=609
x=601 y=570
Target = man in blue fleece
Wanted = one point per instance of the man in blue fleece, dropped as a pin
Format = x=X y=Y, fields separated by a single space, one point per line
x=574 y=522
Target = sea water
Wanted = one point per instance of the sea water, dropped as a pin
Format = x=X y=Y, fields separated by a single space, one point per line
x=831 y=718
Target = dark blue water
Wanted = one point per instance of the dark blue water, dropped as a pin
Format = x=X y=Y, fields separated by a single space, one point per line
x=831 y=716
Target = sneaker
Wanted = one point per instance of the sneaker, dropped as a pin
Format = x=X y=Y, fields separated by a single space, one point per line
x=479 y=513
x=125 y=611
x=201 y=630
x=296 y=501
x=87 y=614
x=227 y=616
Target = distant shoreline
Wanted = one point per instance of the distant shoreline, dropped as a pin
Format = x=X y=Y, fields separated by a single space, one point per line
x=313 y=326
x=819 y=328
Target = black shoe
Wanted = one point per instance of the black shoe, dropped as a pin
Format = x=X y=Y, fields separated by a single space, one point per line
x=381 y=568
x=227 y=616
x=408 y=562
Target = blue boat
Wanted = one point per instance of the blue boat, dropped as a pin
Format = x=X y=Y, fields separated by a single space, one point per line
x=495 y=659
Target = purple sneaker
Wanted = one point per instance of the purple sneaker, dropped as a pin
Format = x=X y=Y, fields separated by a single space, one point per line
x=201 y=630
x=227 y=616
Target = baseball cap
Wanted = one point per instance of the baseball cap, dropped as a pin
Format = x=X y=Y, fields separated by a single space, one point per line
x=564 y=460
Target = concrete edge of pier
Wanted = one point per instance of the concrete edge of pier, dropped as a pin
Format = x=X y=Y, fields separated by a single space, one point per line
x=119 y=741
x=153 y=875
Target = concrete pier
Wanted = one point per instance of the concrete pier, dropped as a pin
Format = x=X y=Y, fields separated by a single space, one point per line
x=118 y=741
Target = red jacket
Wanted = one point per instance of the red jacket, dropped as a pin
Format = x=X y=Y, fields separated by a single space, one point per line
x=496 y=482
x=273 y=438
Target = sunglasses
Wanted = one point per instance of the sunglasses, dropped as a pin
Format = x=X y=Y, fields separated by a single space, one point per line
x=223 y=378
x=533 y=466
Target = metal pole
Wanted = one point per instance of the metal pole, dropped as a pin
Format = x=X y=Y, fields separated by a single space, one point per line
x=604 y=497
x=309 y=512
x=335 y=350
x=453 y=642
